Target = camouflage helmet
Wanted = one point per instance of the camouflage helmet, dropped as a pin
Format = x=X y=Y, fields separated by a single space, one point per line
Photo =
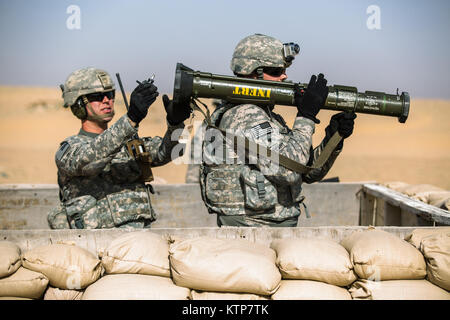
x=256 y=51
x=85 y=81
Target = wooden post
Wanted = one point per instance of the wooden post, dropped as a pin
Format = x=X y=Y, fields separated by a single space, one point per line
x=366 y=208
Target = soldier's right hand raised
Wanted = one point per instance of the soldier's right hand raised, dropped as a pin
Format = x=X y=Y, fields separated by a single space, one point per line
x=141 y=99
x=313 y=100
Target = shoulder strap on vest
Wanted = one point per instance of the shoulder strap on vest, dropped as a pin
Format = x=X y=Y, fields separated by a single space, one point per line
x=286 y=162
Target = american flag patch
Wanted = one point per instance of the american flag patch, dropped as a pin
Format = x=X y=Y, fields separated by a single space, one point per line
x=261 y=130
x=62 y=150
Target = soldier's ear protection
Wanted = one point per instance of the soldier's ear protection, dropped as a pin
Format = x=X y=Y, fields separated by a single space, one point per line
x=79 y=108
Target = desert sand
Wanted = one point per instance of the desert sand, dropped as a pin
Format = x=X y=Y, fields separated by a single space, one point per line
x=33 y=123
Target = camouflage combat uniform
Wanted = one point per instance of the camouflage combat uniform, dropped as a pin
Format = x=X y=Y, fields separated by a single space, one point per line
x=232 y=190
x=256 y=194
x=99 y=181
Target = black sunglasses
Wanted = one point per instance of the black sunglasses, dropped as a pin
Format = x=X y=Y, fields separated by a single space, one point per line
x=274 y=71
x=99 y=96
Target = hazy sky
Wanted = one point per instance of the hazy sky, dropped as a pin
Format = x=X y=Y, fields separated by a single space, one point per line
x=138 y=38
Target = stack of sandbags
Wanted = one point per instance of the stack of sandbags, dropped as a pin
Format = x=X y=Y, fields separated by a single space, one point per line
x=137 y=267
x=69 y=268
x=224 y=266
x=15 y=280
x=386 y=265
x=313 y=269
x=396 y=185
x=427 y=193
x=411 y=189
x=440 y=199
x=435 y=247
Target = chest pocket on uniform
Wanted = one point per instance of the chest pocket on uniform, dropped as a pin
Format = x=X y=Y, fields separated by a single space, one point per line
x=125 y=171
x=123 y=168
x=221 y=189
x=127 y=206
x=259 y=193
x=222 y=186
x=82 y=213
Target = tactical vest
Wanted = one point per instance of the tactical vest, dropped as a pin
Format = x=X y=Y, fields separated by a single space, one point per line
x=111 y=196
x=241 y=189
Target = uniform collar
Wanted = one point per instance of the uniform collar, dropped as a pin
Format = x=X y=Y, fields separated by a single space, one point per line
x=88 y=134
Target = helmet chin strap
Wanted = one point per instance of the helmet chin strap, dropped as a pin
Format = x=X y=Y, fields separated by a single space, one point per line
x=95 y=117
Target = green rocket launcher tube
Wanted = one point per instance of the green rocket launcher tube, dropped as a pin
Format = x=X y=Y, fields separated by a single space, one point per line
x=196 y=84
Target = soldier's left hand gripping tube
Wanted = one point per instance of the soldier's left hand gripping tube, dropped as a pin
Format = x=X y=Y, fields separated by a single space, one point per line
x=136 y=147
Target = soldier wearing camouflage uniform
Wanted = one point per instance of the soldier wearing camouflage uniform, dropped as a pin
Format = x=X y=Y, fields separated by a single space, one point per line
x=99 y=181
x=257 y=194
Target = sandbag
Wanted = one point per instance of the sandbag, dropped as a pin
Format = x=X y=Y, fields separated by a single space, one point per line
x=208 y=295
x=137 y=252
x=397 y=290
x=61 y=294
x=224 y=265
x=396 y=185
x=66 y=266
x=379 y=255
x=436 y=250
x=23 y=283
x=314 y=259
x=440 y=199
x=416 y=236
x=135 y=287
x=309 y=290
x=413 y=189
x=9 y=258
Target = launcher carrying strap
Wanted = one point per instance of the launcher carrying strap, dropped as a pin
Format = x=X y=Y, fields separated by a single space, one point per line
x=284 y=161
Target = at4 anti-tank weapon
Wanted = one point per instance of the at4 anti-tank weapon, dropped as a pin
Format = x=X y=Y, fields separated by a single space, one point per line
x=196 y=84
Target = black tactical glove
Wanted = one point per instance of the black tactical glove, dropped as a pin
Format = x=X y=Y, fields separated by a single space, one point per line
x=313 y=99
x=141 y=99
x=342 y=122
x=175 y=114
